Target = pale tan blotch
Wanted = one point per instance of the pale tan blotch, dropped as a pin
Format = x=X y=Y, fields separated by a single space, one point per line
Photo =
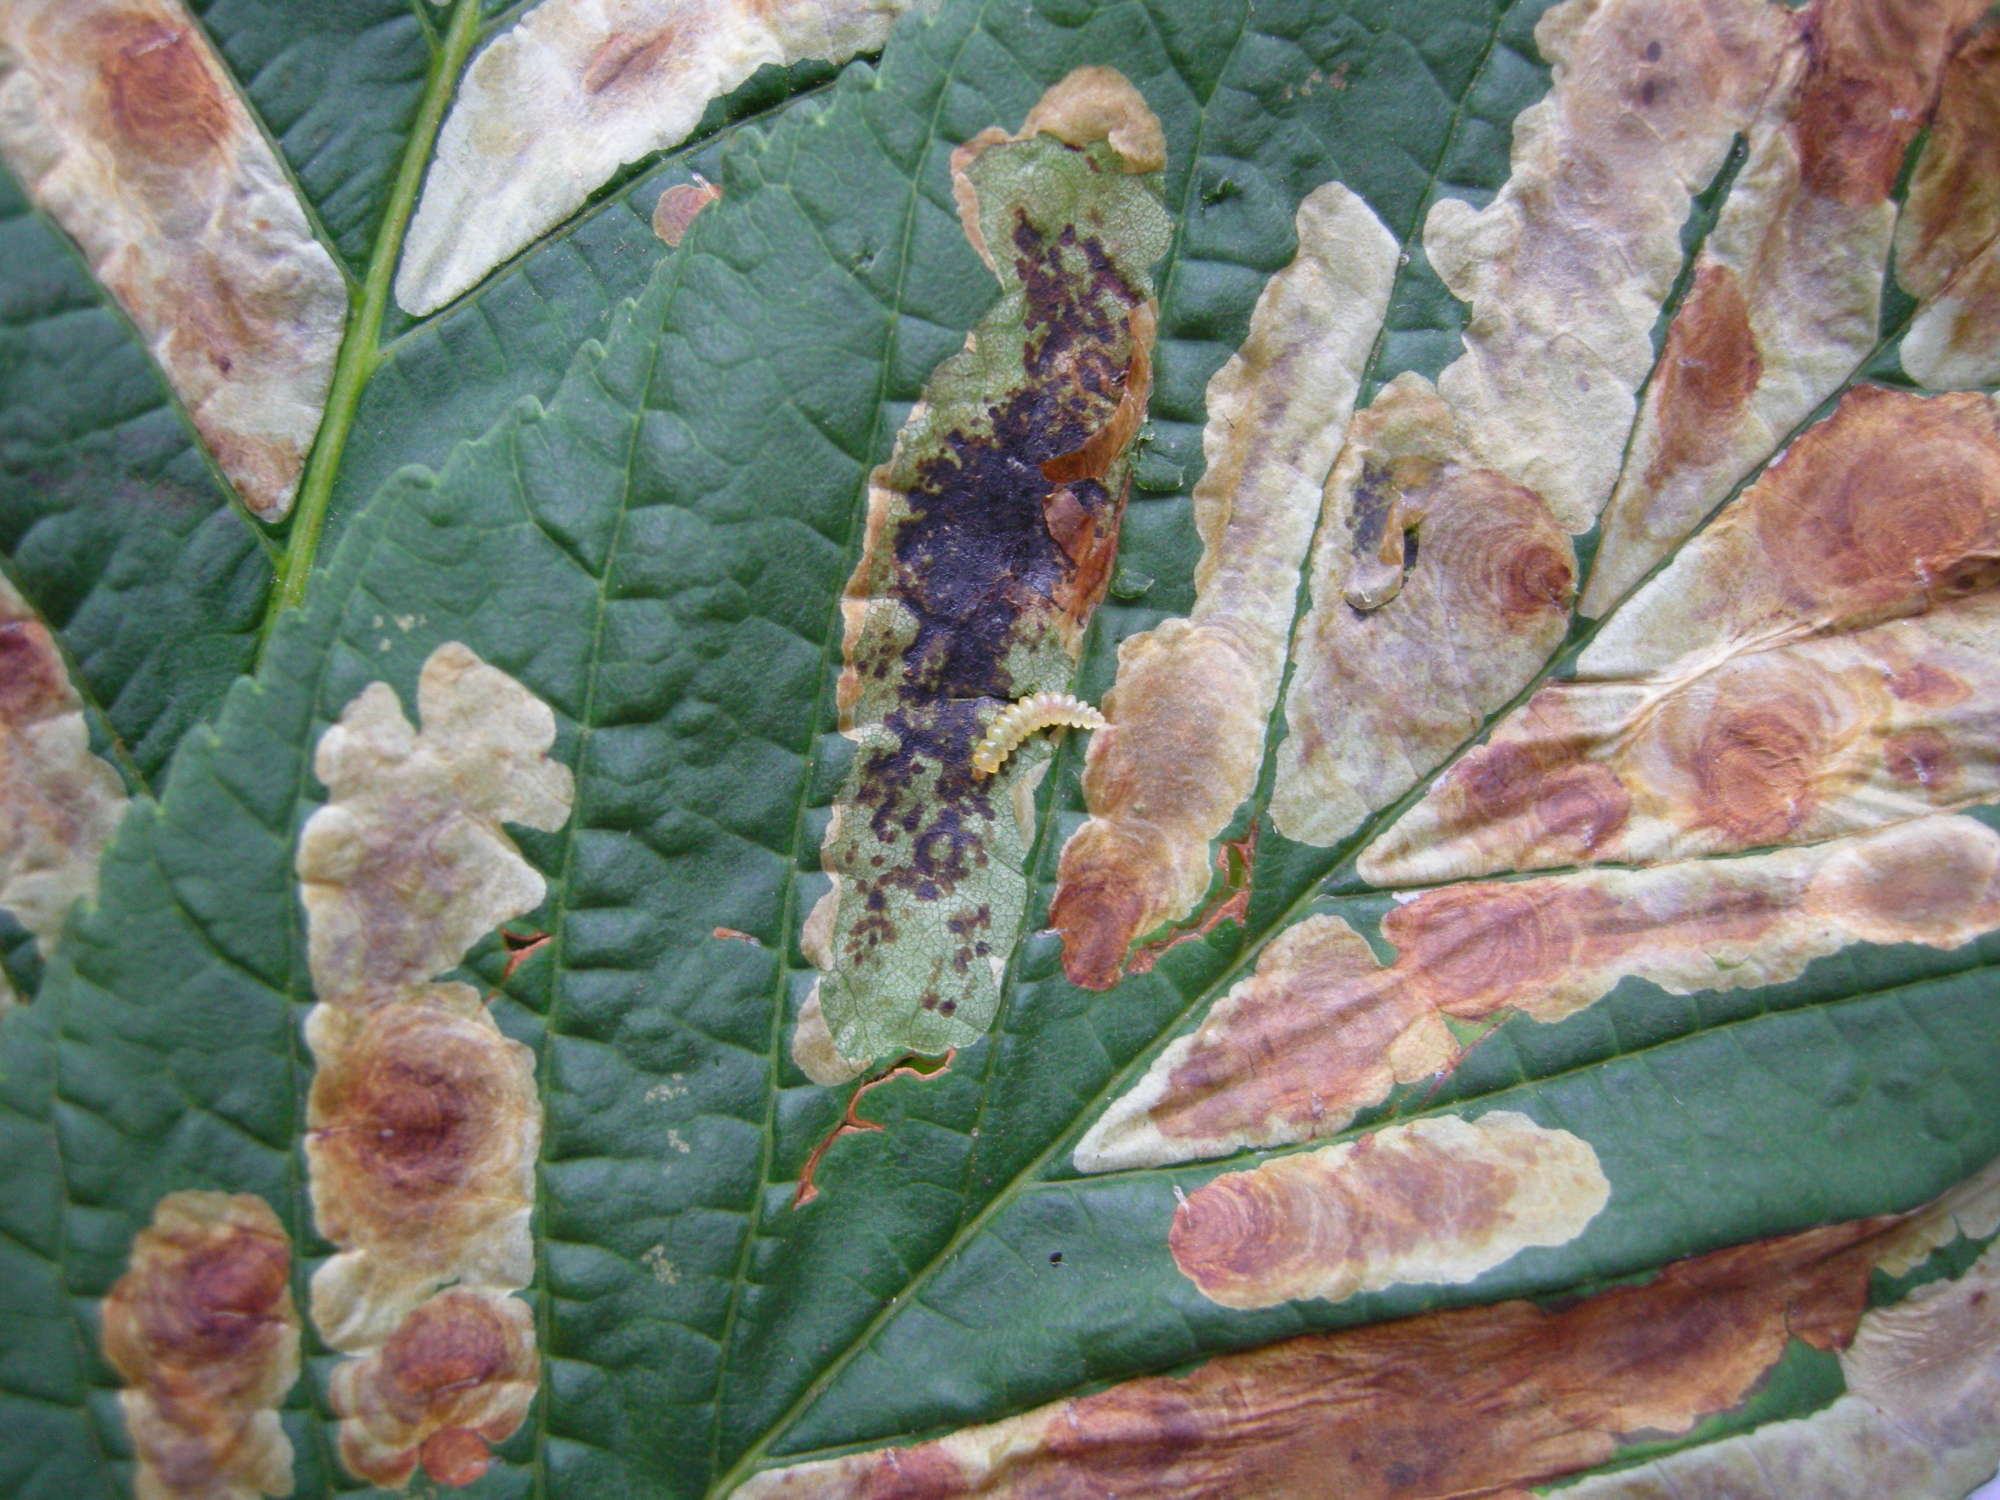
x=1436 y=1201
x=674 y=214
x=1567 y=268
x=59 y=802
x=458 y=1375
x=1322 y=1029
x=424 y=1121
x=1193 y=696
x=202 y=1330
x=1786 y=298
x=407 y=866
x=1100 y=104
x=1813 y=665
x=1920 y=1419
x=1478 y=1401
x=550 y=110
x=125 y=127
x=1948 y=241
x=1428 y=571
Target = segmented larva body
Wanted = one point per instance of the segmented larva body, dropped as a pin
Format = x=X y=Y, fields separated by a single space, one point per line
x=1030 y=715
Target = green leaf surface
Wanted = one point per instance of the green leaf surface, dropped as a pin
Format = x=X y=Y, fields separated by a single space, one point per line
x=636 y=480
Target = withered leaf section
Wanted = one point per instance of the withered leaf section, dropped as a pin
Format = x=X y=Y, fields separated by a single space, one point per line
x=202 y=1331
x=1922 y=1382
x=1443 y=574
x=1194 y=696
x=424 y=1120
x=1438 y=588
x=1822 y=660
x=1442 y=570
x=990 y=537
x=1785 y=300
x=1948 y=242
x=1493 y=1400
x=123 y=125
x=1323 y=1029
x=1440 y=1201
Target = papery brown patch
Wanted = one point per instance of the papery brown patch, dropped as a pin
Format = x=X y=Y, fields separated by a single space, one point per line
x=124 y=127
x=1193 y=696
x=1922 y=1381
x=457 y=1376
x=1785 y=302
x=1323 y=1029
x=1439 y=1200
x=1818 y=662
x=1709 y=369
x=203 y=1332
x=59 y=802
x=1482 y=1401
x=1438 y=589
x=1948 y=240
x=675 y=212
x=1567 y=268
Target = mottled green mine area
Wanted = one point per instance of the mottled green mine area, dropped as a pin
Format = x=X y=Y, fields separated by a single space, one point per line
x=992 y=530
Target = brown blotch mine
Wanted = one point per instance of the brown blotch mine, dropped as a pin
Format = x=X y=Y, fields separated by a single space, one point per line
x=1922 y=758
x=1752 y=750
x=1816 y=663
x=1861 y=102
x=424 y=1123
x=1948 y=241
x=678 y=207
x=59 y=801
x=421 y=1127
x=623 y=60
x=1322 y=1029
x=458 y=1375
x=1708 y=370
x=204 y=1334
x=1480 y=1401
x=125 y=128
x=33 y=684
x=1891 y=505
x=1194 y=695
x=1445 y=590
x=162 y=98
x=1437 y=1200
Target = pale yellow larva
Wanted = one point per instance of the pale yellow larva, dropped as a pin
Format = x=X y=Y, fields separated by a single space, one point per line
x=1026 y=716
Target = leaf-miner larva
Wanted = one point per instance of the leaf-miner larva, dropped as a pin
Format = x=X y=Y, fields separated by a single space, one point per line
x=1026 y=716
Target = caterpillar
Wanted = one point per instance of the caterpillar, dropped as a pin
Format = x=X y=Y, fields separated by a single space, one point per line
x=1026 y=716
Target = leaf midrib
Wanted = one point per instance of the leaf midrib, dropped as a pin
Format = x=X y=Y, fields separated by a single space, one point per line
x=360 y=348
